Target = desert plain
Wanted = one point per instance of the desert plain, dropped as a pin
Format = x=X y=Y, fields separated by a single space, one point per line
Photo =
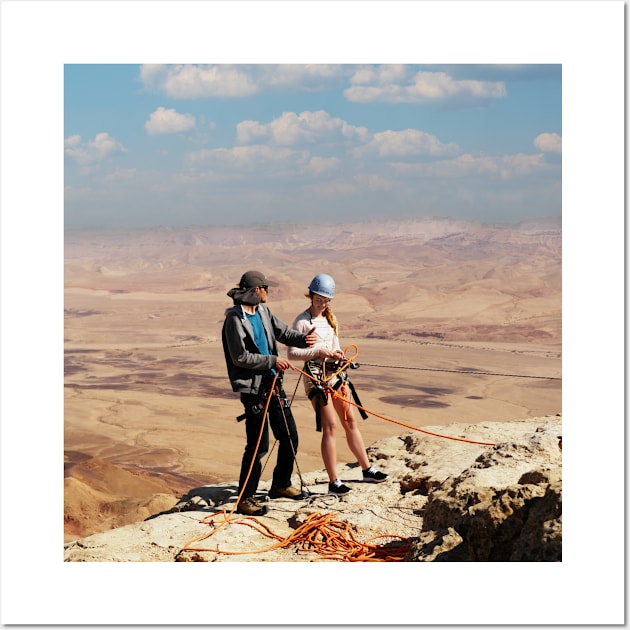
x=451 y=322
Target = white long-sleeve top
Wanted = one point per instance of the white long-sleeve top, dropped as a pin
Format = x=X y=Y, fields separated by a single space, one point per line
x=326 y=338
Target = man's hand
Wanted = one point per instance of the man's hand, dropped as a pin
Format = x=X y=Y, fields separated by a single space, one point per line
x=311 y=337
x=282 y=364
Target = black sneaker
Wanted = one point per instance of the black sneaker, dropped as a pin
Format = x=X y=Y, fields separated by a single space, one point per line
x=373 y=475
x=250 y=507
x=336 y=487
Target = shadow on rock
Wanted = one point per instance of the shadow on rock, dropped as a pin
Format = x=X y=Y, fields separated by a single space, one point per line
x=200 y=499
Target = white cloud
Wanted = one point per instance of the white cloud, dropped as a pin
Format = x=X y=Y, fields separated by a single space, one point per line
x=238 y=81
x=93 y=151
x=381 y=75
x=308 y=127
x=394 y=83
x=72 y=141
x=251 y=131
x=163 y=121
x=320 y=166
x=391 y=84
x=406 y=143
x=304 y=77
x=548 y=143
x=521 y=164
x=151 y=74
x=188 y=81
x=466 y=165
x=248 y=157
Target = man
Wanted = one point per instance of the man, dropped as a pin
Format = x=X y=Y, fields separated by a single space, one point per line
x=250 y=334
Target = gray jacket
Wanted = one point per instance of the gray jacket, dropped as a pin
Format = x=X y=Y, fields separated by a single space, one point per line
x=245 y=365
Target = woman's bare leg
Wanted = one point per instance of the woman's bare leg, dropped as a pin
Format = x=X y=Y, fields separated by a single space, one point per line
x=353 y=435
x=329 y=439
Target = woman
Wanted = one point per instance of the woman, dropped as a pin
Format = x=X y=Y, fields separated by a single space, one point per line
x=327 y=350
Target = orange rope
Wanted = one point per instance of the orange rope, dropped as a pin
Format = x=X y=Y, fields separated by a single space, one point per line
x=262 y=428
x=226 y=516
x=344 y=396
x=323 y=535
x=410 y=426
x=343 y=367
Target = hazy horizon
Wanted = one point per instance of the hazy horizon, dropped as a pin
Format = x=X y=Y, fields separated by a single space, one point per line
x=253 y=225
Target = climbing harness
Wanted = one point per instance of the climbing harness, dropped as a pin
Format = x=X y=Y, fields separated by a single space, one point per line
x=267 y=389
x=338 y=381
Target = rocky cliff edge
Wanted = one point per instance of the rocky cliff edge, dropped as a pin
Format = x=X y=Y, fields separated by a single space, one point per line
x=492 y=493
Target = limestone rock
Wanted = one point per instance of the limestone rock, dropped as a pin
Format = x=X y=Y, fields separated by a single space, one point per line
x=506 y=507
x=492 y=493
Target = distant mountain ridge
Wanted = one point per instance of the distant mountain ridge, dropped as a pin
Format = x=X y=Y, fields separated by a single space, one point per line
x=155 y=243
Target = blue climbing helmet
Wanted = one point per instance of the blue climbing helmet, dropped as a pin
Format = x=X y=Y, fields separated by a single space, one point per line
x=323 y=284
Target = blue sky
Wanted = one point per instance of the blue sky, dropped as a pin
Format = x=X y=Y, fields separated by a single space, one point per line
x=186 y=144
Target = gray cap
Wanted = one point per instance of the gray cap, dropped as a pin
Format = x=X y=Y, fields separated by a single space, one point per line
x=253 y=279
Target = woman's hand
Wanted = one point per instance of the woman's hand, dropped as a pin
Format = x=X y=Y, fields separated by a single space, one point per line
x=334 y=355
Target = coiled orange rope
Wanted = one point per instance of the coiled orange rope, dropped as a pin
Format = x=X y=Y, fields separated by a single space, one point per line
x=321 y=534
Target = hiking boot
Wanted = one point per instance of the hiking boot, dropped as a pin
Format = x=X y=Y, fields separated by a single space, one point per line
x=336 y=487
x=250 y=507
x=291 y=492
x=373 y=475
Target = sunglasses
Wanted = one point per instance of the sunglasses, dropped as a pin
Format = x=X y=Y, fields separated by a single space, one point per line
x=265 y=287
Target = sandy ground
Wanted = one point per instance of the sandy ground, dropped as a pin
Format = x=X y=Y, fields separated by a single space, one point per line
x=148 y=408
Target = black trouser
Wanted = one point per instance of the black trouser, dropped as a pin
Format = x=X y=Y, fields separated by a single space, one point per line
x=284 y=430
